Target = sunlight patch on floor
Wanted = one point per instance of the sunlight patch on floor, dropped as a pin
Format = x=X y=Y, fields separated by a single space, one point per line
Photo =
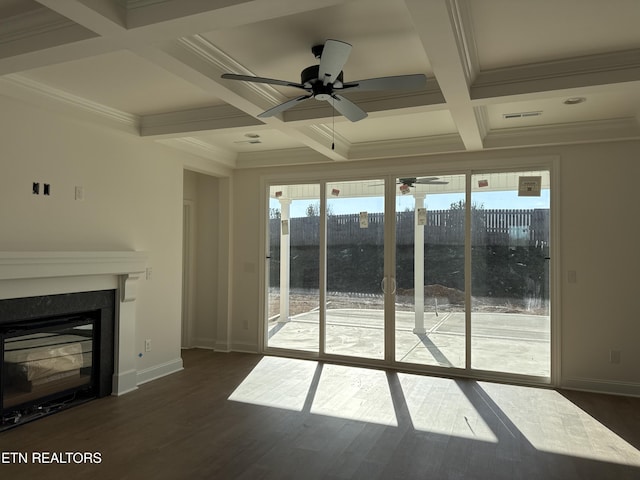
x=354 y=393
x=554 y=424
x=437 y=405
x=277 y=382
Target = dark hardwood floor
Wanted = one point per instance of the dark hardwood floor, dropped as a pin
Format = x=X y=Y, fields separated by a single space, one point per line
x=241 y=416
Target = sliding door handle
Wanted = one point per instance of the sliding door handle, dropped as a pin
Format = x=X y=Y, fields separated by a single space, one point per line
x=383 y=285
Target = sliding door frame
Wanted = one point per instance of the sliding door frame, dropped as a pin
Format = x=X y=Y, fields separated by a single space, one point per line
x=390 y=174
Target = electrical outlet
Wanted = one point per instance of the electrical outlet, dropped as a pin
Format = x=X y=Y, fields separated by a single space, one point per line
x=147 y=345
x=79 y=192
x=149 y=272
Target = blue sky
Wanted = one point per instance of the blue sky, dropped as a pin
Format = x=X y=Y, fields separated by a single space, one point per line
x=490 y=200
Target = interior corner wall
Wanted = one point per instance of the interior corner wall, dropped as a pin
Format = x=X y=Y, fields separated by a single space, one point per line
x=599 y=234
x=598 y=237
x=132 y=201
x=203 y=193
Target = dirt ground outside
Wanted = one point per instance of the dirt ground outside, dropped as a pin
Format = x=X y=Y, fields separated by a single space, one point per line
x=302 y=301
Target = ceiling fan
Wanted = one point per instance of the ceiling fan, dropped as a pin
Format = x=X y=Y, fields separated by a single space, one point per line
x=406 y=184
x=411 y=181
x=325 y=82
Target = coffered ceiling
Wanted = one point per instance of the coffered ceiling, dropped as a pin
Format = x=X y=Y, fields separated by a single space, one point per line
x=498 y=73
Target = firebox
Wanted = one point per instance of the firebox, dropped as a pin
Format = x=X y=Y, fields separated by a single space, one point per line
x=56 y=351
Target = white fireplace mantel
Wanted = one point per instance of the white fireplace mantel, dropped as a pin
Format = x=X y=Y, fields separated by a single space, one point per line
x=15 y=265
x=24 y=274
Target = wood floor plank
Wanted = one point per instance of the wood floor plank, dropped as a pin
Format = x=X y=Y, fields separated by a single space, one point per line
x=307 y=420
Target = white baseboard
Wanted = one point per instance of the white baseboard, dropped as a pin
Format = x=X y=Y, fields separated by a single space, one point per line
x=221 y=346
x=601 y=386
x=159 y=371
x=124 y=382
x=203 y=342
x=244 y=347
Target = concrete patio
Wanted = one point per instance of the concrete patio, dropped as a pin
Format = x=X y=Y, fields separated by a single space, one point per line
x=507 y=342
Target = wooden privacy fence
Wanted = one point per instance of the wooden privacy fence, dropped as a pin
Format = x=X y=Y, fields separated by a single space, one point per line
x=444 y=227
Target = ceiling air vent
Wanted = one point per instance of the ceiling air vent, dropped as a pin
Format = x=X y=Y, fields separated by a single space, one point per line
x=508 y=116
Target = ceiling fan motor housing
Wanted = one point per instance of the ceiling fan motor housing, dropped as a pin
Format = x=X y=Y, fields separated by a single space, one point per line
x=309 y=76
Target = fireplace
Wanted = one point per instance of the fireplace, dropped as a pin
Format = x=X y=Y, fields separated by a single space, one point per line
x=67 y=328
x=55 y=351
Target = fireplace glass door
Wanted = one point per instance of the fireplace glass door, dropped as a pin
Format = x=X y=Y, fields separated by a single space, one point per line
x=44 y=361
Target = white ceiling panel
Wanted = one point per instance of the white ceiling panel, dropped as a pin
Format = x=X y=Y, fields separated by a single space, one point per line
x=515 y=32
x=404 y=126
x=124 y=81
x=251 y=141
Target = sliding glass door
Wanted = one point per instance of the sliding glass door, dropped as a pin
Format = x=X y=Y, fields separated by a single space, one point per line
x=430 y=250
x=510 y=312
x=355 y=269
x=293 y=267
x=429 y=272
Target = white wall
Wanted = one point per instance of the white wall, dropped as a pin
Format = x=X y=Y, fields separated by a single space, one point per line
x=599 y=241
x=133 y=201
x=202 y=190
x=599 y=234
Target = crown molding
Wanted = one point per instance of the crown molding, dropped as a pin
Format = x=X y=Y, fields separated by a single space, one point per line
x=584 y=71
x=203 y=149
x=31 y=24
x=279 y=158
x=25 y=88
x=133 y=4
x=217 y=117
x=482 y=120
x=565 y=133
x=460 y=15
x=407 y=147
x=212 y=55
x=328 y=133
x=38 y=30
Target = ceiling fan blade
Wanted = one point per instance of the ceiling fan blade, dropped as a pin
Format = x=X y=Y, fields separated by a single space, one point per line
x=430 y=181
x=334 y=56
x=283 y=106
x=400 y=82
x=347 y=108
x=271 y=81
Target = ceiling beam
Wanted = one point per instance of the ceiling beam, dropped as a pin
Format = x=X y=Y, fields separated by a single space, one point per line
x=581 y=72
x=88 y=17
x=445 y=41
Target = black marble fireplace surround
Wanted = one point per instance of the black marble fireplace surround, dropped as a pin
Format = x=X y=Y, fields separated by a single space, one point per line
x=98 y=306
